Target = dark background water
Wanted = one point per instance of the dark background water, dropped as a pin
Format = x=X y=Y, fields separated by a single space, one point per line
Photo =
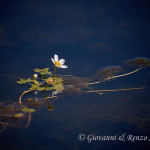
x=89 y=35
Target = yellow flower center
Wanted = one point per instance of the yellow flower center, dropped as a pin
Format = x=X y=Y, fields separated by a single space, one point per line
x=57 y=63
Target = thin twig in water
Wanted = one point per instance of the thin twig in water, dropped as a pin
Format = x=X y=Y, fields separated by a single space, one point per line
x=115 y=76
x=118 y=90
x=96 y=91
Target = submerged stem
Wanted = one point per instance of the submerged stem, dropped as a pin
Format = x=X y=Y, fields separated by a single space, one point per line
x=115 y=76
x=96 y=91
x=47 y=100
x=117 y=90
x=24 y=94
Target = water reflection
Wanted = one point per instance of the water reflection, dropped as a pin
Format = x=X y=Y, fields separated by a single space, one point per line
x=11 y=115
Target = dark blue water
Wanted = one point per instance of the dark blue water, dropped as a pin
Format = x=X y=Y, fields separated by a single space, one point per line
x=89 y=35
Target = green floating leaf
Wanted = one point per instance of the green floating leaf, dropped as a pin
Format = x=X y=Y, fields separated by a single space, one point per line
x=37 y=83
x=34 y=86
x=37 y=70
x=57 y=84
x=49 y=88
x=28 y=110
x=57 y=81
x=37 y=87
x=43 y=71
x=23 y=81
x=58 y=87
x=41 y=88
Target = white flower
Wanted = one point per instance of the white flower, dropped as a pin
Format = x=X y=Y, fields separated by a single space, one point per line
x=35 y=76
x=59 y=63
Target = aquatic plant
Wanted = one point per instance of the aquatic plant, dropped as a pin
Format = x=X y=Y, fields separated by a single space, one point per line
x=44 y=80
x=53 y=85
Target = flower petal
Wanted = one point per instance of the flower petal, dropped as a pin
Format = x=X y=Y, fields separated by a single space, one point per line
x=64 y=66
x=55 y=57
x=62 y=61
x=59 y=66
x=53 y=60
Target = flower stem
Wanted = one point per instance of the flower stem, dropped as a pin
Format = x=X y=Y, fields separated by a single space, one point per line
x=24 y=94
x=54 y=70
x=115 y=77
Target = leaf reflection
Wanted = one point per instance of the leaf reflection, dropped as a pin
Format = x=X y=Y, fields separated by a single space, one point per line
x=11 y=115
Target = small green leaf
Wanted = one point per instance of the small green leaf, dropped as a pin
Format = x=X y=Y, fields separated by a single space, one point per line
x=37 y=83
x=40 y=88
x=23 y=81
x=58 y=87
x=43 y=71
x=37 y=87
x=28 y=110
x=34 y=86
x=49 y=88
x=57 y=81
x=37 y=70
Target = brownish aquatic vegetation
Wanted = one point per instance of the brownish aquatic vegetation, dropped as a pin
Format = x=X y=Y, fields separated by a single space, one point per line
x=12 y=114
x=53 y=86
x=138 y=62
x=107 y=72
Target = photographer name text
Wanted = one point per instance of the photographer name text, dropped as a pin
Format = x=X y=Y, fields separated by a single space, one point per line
x=123 y=137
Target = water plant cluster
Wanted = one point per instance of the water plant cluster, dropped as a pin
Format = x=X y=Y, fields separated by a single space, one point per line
x=44 y=80
x=53 y=85
x=47 y=81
